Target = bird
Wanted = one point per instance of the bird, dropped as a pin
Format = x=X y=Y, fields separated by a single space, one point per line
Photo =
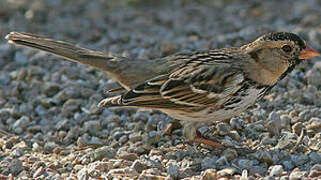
x=196 y=87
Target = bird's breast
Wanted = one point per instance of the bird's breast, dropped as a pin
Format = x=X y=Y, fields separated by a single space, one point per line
x=238 y=103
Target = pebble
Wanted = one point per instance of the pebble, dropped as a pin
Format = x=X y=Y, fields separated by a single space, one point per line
x=223 y=128
x=127 y=156
x=70 y=106
x=15 y=167
x=138 y=166
x=92 y=127
x=173 y=171
x=276 y=170
x=209 y=162
x=297 y=175
x=209 y=174
x=299 y=159
x=20 y=125
x=104 y=152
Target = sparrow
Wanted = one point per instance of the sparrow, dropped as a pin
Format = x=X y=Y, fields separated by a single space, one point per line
x=197 y=87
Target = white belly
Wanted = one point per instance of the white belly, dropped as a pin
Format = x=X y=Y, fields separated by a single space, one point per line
x=208 y=114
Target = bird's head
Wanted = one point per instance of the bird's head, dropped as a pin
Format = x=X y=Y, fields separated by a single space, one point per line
x=277 y=53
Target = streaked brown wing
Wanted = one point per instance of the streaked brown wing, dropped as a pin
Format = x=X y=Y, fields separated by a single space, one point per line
x=203 y=85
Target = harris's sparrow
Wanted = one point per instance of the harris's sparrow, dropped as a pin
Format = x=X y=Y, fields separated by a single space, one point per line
x=197 y=87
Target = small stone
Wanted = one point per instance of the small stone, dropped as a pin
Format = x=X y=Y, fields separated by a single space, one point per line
x=299 y=159
x=235 y=135
x=227 y=172
x=50 y=146
x=173 y=171
x=104 y=152
x=230 y=154
x=15 y=167
x=287 y=141
x=222 y=161
x=83 y=174
x=315 y=157
x=20 y=57
x=266 y=140
x=92 y=127
x=297 y=175
x=297 y=128
x=38 y=172
x=316 y=167
x=128 y=156
x=70 y=106
x=315 y=174
x=209 y=174
x=20 y=125
x=134 y=137
x=126 y=172
x=51 y=89
x=276 y=170
x=245 y=163
x=209 y=162
x=285 y=121
x=274 y=123
x=138 y=166
x=237 y=123
x=223 y=128
x=18 y=153
x=288 y=165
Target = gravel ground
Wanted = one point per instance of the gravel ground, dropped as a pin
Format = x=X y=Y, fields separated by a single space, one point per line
x=51 y=127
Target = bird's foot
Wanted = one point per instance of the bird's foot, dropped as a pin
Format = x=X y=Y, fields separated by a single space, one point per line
x=199 y=138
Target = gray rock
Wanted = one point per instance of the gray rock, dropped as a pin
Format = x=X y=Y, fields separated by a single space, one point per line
x=20 y=57
x=276 y=170
x=209 y=174
x=316 y=167
x=297 y=175
x=287 y=141
x=20 y=125
x=315 y=157
x=138 y=166
x=288 y=165
x=230 y=154
x=245 y=163
x=83 y=174
x=237 y=123
x=127 y=156
x=274 y=123
x=299 y=159
x=18 y=153
x=173 y=171
x=223 y=128
x=222 y=161
x=297 y=128
x=136 y=136
x=92 y=127
x=15 y=166
x=104 y=152
x=209 y=162
x=122 y=172
x=70 y=106
x=51 y=89
x=50 y=146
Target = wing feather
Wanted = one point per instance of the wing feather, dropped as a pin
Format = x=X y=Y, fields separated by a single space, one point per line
x=201 y=80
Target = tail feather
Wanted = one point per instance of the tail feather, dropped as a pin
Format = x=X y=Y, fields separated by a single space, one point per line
x=60 y=48
x=110 y=102
x=128 y=72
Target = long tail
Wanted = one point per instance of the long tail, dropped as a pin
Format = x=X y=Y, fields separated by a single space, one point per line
x=60 y=48
x=128 y=72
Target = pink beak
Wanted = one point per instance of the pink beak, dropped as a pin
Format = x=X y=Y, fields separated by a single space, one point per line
x=308 y=53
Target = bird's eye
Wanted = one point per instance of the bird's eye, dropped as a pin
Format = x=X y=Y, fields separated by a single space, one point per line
x=287 y=48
